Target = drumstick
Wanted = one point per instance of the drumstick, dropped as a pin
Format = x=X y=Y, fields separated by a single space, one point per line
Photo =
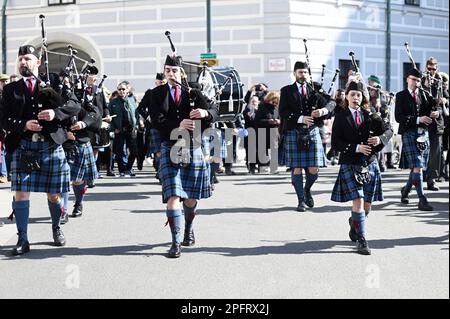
x=112 y=116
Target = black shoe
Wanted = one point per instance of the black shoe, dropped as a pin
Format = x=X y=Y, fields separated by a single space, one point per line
x=131 y=173
x=189 y=239
x=363 y=247
x=64 y=218
x=175 y=251
x=229 y=172
x=309 y=201
x=252 y=170
x=111 y=174
x=21 y=248
x=301 y=207
x=77 y=210
x=352 y=233
x=382 y=168
x=216 y=180
x=433 y=187
x=91 y=184
x=390 y=166
x=424 y=206
x=58 y=237
x=405 y=196
x=140 y=165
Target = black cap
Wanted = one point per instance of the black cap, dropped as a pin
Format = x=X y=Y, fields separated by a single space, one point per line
x=414 y=72
x=300 y=65
x=160 y=76
x=173 y=61
x=28 y=49
x=355 y=86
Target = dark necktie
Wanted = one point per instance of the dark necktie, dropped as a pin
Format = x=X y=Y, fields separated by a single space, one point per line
x=358 y=119
x=30 y=86
x=304 y=92
x=177 y=95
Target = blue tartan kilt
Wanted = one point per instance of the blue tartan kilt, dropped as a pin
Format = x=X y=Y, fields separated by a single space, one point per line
x=314 y=157
x=216 y=145
x=155 y=141
x=347 y=189
x=411 y=156
x=84 y=167
x=52 y=178
x=185 y=182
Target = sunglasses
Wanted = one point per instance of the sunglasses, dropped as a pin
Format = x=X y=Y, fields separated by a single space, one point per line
x=432 y=69
x=121 y=89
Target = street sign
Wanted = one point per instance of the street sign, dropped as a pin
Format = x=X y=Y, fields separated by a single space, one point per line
x=210 y=58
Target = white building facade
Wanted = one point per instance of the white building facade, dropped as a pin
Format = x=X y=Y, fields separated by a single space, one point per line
x=262 y=39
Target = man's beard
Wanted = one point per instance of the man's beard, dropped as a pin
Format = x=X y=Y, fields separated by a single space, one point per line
x=25 y=72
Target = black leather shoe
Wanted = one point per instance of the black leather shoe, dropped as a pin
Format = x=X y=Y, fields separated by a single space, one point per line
x=175 y=251
x=301 y=207
x=382 y=168
x=352 y=233
x=189 y=239
x=216 y=180
x=309 y=201
x=21 y=248
x=58 y=237
x=111 y=174
x=424 y=206
x=77 y=210
x=433 y=187
x=405 y=196
x=64 y=218
x=363 y=247
x=90 y=184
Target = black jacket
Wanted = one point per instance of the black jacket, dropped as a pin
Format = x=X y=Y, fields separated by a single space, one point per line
x=167 y=116
x=267 y=112
x=406 y=110
x=17 y=107
x=144 y=105
x=346 y=136
x=293 y=105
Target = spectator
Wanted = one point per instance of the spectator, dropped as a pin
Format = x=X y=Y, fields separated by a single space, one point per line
x=125 y=126
x=268 y=117
x=260 y=90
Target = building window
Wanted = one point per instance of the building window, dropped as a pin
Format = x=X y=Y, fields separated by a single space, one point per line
x=347 y=69
x=406 y=68
x=59 y=2
x=413 y=2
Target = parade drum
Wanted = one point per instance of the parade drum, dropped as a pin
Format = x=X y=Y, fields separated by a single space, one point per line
x=104 y=139
x=231 y=99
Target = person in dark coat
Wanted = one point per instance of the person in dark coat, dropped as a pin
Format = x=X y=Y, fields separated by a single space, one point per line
x=267 y=120
x=184 y=171
x=32 y=117
x=359 y=135
x=303 y=111
x=414 y=112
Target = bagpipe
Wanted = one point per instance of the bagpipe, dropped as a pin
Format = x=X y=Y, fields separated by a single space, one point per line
x=376 y=126
x=220 y=86
x=426 y=96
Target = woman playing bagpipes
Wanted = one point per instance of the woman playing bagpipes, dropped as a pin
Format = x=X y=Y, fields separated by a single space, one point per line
x=359 y=135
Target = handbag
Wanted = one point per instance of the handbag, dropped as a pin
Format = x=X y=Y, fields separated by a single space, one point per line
x=304 y=142
x=362 y=175
x=30 y=161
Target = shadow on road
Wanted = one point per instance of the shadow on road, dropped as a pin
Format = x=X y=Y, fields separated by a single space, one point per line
x=289 y=248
